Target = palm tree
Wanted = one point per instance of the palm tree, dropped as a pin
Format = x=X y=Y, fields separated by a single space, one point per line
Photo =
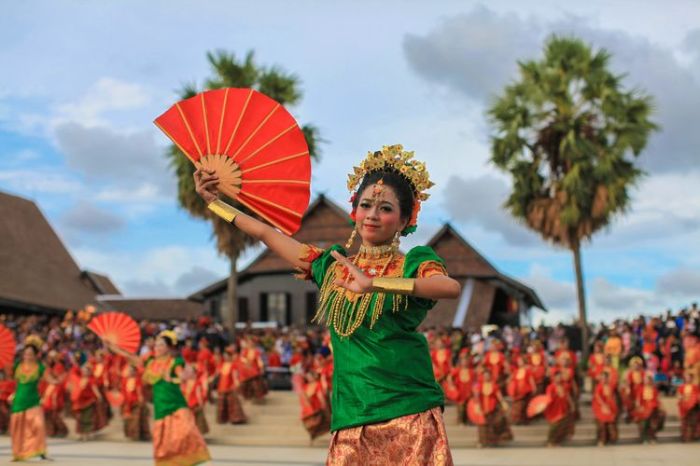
x=227 y=71
x=568 y=134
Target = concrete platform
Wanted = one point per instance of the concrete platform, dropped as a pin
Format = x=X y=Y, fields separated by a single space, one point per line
x=101 y=453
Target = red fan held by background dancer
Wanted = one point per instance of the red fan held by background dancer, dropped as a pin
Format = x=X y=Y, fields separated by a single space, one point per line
x=252 y=144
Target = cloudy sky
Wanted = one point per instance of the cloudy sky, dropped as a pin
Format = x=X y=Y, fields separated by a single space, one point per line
x=82 y=81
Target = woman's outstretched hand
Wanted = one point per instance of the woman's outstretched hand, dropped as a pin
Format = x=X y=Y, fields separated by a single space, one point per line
x=356 y=280
x=206 y=184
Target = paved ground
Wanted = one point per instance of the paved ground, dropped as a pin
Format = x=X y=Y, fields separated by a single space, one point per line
x=68 y=452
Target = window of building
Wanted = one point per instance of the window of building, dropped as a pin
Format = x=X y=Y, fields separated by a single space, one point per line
x=276 y=307
x=311 y=305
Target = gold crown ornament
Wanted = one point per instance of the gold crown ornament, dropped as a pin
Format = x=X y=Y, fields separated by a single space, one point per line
x=34 y=340
x=394 y=158
x=169 y=334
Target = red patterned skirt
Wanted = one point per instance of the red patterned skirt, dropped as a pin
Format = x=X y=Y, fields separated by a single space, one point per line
x=318 y=423
x=412 y=440
x=136 y=423
x=55 y=427
x=496 y=429
x=254 y=389
x=230 y=409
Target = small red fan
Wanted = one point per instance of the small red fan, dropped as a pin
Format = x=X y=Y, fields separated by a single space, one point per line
x=475 y=413
x=115 y=398
x=253 y=144
x=537 y=405
x=8 y=346
x=117 y=328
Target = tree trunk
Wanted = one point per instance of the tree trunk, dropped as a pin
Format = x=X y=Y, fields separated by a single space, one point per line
x=580 y=291
x=231 y=316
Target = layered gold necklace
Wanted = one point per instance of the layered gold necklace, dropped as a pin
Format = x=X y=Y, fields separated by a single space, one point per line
x=344 y=310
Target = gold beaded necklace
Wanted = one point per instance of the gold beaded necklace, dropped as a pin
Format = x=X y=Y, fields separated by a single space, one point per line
x=341 y=309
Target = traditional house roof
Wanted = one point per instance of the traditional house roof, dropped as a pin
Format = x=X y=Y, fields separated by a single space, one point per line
x=37 y=273
x=153 y=308
x=324 y=223
x=100 y=283
x=464 y=261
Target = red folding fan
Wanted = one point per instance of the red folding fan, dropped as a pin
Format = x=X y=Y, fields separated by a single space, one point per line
x=8 y=346
x=475 y=413
x=253 y=144
x=537 y=405
x=117 y=328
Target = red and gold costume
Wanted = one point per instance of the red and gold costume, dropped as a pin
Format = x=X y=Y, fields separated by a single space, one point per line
x=495 y=362
x=85 y=396
x=521 y=388
x=495 y=428
x=459 y=387
x=229 y=407
x=135 y=411
x=537 y=361
x=559 y=413
x=251 y=374
x=53 y=397
x=606 y=411
x=195 y=392
x=7 y=388
x=315 y=413
x=648 y=413
x=689 y=410
x=442 y=363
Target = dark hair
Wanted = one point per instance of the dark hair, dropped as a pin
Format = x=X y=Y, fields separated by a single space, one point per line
x=34 y=347
x=401 y=186
x=168 y=341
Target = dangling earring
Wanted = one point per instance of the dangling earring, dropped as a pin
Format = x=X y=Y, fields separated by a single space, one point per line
x=395 y=241
x=348 y=245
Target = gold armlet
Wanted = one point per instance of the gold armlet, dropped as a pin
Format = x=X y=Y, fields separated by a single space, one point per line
x=223 y=210
x=394 y=285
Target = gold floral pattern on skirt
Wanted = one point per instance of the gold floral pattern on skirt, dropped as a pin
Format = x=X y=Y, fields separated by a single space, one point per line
x=416 y=439
x=177 y=440
x=28 y=433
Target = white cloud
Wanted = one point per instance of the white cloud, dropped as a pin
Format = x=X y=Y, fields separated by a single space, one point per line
x=682 y=281
x=87 y=217
x=480 y=200
x=40 y=180
x=475 y=54
x=106 y=95
x=171 y=270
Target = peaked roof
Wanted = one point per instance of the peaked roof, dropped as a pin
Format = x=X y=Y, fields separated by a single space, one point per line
x=153 y=308
x=324 y=223
x=464 y=261
x=36 y=270
x=101 y=283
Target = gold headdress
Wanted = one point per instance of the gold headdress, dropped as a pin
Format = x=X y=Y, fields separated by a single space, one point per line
x=35 y=341
x=170 y=335
x=396 y=159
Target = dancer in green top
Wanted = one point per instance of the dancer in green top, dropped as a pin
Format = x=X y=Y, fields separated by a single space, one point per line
x=386 y=404
x=176 y=438
x=27 y=427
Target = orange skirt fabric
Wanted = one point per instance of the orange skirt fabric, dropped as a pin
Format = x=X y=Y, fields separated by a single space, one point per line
x=28 y=434
x=417 y=439
x=177 y=440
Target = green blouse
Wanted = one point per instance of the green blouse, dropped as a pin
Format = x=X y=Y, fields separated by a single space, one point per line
x=167 y=396
x=27 y=393
x=384 y=372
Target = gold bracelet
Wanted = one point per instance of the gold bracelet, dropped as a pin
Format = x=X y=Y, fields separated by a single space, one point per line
x=223 y=210
x=394 y=285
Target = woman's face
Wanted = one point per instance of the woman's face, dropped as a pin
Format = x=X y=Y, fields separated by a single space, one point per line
x=378 y=216
x=161 y=347
x=28 y=355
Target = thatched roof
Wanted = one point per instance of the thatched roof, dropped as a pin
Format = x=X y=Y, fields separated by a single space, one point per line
x=37 y=272
x=153 y=308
